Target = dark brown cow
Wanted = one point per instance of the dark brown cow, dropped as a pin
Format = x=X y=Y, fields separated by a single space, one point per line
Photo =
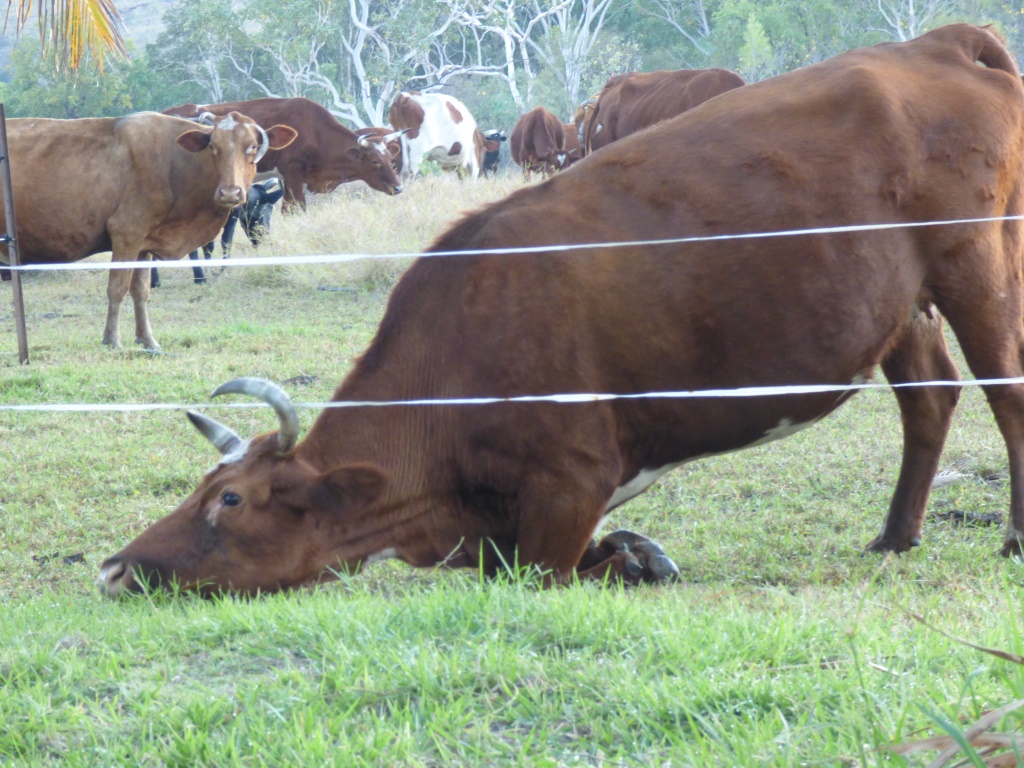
x=139 y=186
x=325 y=154
x=537 y=143
x=636 y=100
x=393 y=140
x=896 y=133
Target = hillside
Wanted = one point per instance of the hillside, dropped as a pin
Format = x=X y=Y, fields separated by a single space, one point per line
x=143 y=19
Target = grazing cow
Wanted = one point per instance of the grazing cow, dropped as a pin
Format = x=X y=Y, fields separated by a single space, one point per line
x=439 y=127
x=141 y=186
x=489 y=145
x=324 y=155
x=255 y=219
x=897 y=133
x=636 y=100
x=538 y=142
x=394 y=144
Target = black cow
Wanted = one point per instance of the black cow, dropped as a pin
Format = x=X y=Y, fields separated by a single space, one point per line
x=490 y=161
x=255 y=218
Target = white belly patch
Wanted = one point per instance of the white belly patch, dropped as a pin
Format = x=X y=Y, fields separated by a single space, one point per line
x=645 y=478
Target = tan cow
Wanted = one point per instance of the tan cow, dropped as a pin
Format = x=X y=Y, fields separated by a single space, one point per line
x=899 y=133
x=325 y=155
x=572 y=145
x=636 y=100
x=141 y=186
x=581 y=120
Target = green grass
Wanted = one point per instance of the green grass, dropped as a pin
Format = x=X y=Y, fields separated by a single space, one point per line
x=783 y=644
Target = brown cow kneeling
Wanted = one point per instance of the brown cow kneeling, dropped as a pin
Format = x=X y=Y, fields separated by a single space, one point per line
x=899 y=133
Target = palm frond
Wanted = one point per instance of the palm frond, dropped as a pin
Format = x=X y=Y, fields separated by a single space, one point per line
x=71 y=28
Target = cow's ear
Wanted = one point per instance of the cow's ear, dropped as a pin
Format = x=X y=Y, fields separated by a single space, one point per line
x=194 y=141
x=355 y=152
x=347 y=488
x=280 y=136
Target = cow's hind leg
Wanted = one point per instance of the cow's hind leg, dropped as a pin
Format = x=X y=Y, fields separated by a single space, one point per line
x=920 y=355
x=984 y=308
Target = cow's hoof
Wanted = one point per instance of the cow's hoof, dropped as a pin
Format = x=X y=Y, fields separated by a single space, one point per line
x=883 y=544
x=1012 y=547
x=655 y=566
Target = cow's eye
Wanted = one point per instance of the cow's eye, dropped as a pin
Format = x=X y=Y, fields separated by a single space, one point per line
x=230 y=499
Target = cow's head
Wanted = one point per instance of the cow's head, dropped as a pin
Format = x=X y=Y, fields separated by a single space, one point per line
x=259 y=204
x=236 y=143
x=373 y=158
x=262 y=520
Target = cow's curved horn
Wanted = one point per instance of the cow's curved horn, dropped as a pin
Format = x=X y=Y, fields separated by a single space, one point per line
x=206 y=118
x=224 y=439
x=264 y=145
x=394 y=135
x=364 y=141
x=275 y=397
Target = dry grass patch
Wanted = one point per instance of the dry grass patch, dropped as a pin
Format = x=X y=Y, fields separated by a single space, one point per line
x=358 y=220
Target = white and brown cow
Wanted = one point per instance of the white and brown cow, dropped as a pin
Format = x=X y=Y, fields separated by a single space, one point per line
x=440 y=128
x=899 y=133
x=141 y=186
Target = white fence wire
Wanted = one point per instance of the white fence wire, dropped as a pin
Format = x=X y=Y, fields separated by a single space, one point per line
x=550 y=398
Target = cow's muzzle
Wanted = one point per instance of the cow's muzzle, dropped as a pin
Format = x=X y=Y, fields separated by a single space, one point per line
x=115 y=577
x=230 y=196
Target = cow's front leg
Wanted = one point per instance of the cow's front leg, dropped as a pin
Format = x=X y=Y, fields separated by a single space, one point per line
x=117 y=289
x=629 y=557
x=140 y=295
x=555 y=534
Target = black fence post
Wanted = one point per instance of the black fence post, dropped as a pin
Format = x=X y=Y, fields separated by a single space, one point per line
x=10 y=239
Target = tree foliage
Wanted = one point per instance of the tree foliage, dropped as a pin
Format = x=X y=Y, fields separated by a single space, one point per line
x=502 y=57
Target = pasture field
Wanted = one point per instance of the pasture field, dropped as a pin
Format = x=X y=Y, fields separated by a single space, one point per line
x=782 y=644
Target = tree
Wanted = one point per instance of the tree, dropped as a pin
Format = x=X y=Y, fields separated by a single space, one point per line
x=195 y=52
x=39 y=88
x=906 y=19
x=569 y=32
x=73 y=29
